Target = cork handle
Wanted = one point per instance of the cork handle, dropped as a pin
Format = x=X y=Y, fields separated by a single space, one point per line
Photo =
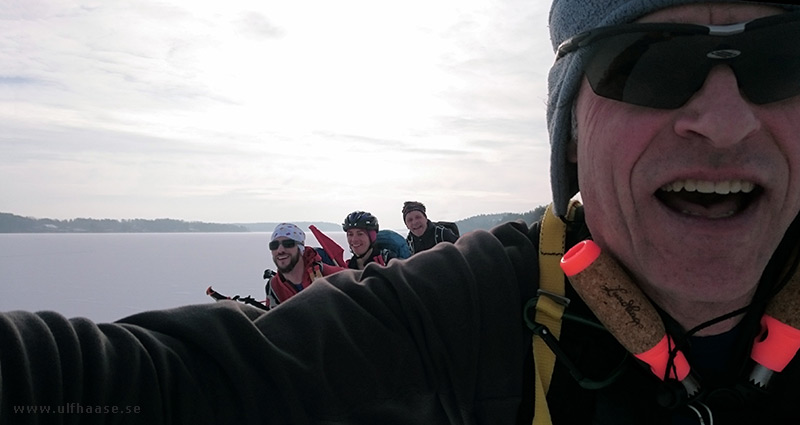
x=616 y=301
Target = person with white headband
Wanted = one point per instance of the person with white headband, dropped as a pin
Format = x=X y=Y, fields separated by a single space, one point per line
x=677 y=121
x=297 y=266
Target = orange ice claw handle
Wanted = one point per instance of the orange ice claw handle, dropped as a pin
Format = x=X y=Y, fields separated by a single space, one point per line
x=579 y=257
x=779 y=339
x=621 y=306
x=658 y=358
x=777 y=344
x=613 y=297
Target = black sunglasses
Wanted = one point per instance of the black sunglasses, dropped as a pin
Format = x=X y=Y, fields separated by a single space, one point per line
x=287 y=243
x=662 y=65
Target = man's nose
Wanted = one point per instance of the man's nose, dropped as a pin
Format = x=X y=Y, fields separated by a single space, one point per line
x=718 y=112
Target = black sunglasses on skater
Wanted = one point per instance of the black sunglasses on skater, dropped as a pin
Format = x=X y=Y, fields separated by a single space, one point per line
x=287 y=243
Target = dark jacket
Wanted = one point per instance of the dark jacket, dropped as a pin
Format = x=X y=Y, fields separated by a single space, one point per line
x=435 y=339
x=382 y=257
x=434 y=234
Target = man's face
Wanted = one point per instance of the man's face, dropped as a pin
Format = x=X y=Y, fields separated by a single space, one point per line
x=416 y=222
x=285 y=259
x=637 y=167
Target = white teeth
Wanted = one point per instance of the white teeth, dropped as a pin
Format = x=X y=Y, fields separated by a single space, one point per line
x=706 y=186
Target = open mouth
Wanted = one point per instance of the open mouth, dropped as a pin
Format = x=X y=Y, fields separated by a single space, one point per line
x=709 y=199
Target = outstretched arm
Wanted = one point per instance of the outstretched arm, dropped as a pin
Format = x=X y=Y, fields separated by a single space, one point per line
x=435 y=339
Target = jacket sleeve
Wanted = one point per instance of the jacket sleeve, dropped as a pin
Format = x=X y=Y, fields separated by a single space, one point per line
x=438 y=338
x=449 y=236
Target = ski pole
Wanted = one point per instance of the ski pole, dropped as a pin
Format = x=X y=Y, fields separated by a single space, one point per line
x=247 y=300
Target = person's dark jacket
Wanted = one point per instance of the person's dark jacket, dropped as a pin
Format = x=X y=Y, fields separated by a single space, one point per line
x=382 y=257
x=430 y=238
x=439 y=338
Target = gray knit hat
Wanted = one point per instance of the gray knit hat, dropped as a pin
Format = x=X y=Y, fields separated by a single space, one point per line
x=569 y=18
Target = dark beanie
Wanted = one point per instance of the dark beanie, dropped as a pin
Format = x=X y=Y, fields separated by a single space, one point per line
x=409 y=206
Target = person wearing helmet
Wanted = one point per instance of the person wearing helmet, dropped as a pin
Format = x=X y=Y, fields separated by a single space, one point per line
x=297 y=266
x=362 y=232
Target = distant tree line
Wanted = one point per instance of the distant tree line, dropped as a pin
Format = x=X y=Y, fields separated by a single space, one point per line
x=10 y=223
x=269 y=226
x=488 y=221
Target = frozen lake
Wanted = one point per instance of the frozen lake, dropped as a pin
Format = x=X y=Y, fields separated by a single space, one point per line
x=109 y=276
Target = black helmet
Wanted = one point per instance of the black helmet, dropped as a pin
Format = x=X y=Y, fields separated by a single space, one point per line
x=360 y=220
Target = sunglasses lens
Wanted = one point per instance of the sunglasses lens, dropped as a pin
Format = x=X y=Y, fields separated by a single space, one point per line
x=772 y=72
x=772 y=85
x=665 y=69
x=287 y=243
x=646 y=69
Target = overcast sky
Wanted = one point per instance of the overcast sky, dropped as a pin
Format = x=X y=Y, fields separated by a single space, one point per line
x=272 y=110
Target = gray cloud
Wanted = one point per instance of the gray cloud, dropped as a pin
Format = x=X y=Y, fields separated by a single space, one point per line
x=257 y=25
x=136 y=109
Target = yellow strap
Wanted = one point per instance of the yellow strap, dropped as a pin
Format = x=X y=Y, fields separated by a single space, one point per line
x=552 y=236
